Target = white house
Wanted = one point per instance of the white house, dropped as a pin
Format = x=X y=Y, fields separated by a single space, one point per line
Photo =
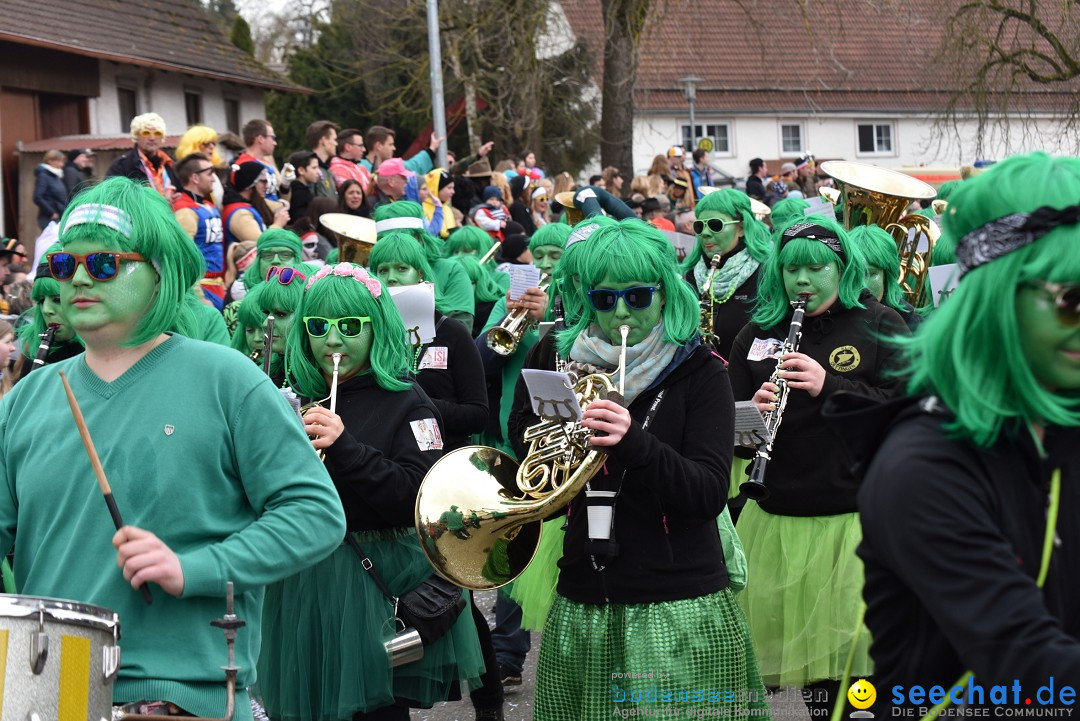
x=72 y=75
x=860 y=84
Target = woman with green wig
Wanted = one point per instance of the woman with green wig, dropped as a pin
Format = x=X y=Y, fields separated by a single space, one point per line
x=449 y=278
x=883 y=270
x=468 y=240
x=215 y=478
x=647 y=587
x=726 y=227
x=969 y=501
x=279 y=297
x=803 y=603
x=786 y=211
x=275 y=246
x=382 y=439
x=46 y=312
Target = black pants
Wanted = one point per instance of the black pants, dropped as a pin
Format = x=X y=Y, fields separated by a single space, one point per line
x=386 y=713
x=490 y=695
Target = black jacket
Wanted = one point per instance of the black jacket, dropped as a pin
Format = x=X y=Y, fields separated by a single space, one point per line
x=50 y=195
x=809 y=474
x=952 y=544
x=75 y=178
x=451 y=373
x=676 y=483
x=731 y=316
x=755 y=188
x=376 y=463
x=520 y=213
x=129 y=165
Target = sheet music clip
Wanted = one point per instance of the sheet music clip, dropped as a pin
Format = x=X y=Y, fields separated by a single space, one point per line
x=750 y=428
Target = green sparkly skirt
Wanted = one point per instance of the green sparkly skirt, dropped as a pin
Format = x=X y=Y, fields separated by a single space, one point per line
x=601 y=661
x=323 y=655
x=804 y=595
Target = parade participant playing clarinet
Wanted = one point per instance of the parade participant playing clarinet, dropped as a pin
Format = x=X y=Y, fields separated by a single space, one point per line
x=218 y=484
x=324 y=656
x=802 y=599
x=970 y=504
x=46 y=314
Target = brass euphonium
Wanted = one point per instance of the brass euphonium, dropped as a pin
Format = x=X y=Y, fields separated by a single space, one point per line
x=333 y=401
x=876 y=196
x=504 y=338
x=479 y=514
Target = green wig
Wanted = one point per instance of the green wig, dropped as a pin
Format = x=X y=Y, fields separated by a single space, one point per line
x=621 y=252
x=155 y=234
x=968 y=352
x=880 y=252
x=553 y=234
x=485 y=288
x=265 y=299
x=272 y=238
x=567 y=277
x=338 y=296
x=433 y=246
x=729 y=201
x=398 y=246
x=787 y=210
x=466 y=238
x=773 y=303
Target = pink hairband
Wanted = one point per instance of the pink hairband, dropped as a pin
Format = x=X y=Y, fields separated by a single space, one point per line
x=348 y=270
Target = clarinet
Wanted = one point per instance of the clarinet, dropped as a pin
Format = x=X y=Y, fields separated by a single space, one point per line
x=560 y=324
x=707 y=321
x=268 y=343
x=43 y=349
x=755 y=487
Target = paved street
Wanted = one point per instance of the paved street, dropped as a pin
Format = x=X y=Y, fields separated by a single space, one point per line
x=786 y=705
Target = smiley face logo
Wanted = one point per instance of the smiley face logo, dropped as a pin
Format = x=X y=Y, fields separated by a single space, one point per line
x=845 y=358
x=862 y=694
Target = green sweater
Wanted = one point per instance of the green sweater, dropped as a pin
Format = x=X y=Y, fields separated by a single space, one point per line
x=201 y=450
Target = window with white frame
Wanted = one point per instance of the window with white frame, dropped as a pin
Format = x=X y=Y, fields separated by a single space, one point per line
x=127 y=97
x=791 y=138
x=718 y=133
x=876 y=139
x=193 y=109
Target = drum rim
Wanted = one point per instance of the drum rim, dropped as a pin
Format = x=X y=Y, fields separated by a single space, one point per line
x=60 y=610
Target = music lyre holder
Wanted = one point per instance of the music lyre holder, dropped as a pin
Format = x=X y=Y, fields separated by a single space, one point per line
x=750 y=428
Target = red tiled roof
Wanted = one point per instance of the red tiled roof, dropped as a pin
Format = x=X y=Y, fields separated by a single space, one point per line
x=91 y=142
x=758 y=56
x=171 y=35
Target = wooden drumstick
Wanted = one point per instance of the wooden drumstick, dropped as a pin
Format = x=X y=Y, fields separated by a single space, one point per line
x=95 y=463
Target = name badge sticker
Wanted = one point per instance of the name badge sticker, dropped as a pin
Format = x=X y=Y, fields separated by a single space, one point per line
x=765 y=349
x=436 y=358
x=427 y=434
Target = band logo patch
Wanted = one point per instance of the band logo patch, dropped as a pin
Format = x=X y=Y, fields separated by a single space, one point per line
x=427 y=434
x=845 y=358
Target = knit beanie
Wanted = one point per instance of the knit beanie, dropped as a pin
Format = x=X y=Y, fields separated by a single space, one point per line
x=244 y=175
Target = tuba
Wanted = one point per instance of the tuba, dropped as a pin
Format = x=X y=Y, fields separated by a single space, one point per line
x=504 y=338
x=876 y=196
x=355 y=236
x=479 y=513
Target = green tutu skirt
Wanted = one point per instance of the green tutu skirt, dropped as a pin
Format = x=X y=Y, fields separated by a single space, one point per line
x=804 y=596
x=324 y=629
x=694 y=655
x=534 y=590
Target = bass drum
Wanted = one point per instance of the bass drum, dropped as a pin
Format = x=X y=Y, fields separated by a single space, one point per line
x=58 y=659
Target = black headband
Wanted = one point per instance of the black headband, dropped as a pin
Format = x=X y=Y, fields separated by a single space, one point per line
x=1004 y=235
x=813 y=231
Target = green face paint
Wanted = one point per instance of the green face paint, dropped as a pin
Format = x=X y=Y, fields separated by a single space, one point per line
x=91 y=305
x=822 y=282
x=395 y=274
x=277 y=255
x=875 y=282
x=723 y=242
x=355 y=352
x=546 y=258
x=50 y=311
x=1052 y=349
x=641 y=322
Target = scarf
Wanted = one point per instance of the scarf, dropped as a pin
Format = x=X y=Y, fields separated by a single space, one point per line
x=732 y=274
x=157 y=175
x=644 y=361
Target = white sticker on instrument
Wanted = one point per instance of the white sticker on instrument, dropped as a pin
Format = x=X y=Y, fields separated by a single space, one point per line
x=435 y=357
x=764 y=349
x=427 y=435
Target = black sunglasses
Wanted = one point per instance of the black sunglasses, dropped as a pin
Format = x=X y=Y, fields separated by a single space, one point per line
x=637 y=298
x=1066 y=300
x=716 y=225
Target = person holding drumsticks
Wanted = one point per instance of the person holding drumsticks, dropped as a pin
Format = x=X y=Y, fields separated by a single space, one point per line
x=217 y=484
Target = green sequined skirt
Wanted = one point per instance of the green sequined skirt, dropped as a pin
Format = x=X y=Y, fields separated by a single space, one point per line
x=601 y=661
x=323 y=655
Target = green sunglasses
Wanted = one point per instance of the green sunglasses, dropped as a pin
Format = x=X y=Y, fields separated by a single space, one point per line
x=348 y=327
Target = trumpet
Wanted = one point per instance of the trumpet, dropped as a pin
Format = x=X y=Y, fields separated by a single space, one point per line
x=755 y=487
x=333 y=401
x=504 y=338
x=479 y=514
